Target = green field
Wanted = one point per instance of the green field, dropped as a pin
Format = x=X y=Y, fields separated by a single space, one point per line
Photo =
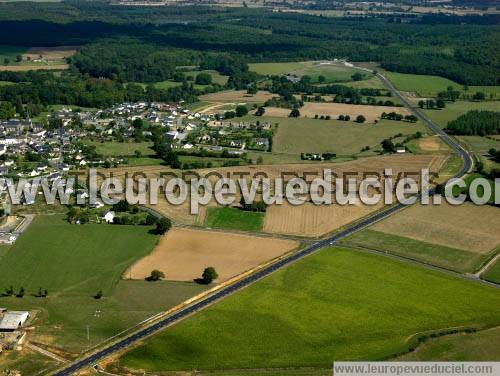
x=72 y=259
x=429 y=86
x=478 y=144
x=454 y=109
x=27 y=362
x=115 y=149
x=445 y=257
x=234 y=219
x=336 y=304
x=332 y=73
x=74 y=262
x=217 y=78
x=302 y=135
x=479 y=346
x=493 y=273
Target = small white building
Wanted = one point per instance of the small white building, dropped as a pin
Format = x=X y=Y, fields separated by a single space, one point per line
x=13 y=320
x=109 y=216
x=401 y=150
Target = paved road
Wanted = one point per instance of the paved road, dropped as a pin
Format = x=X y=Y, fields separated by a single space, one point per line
x=205 y=302
x=183 y=313
x=450 y=141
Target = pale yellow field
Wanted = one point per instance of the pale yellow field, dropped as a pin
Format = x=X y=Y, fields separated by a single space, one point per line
x=312 y=220
x=432 y=144
x=237 y=96
x=24 y=68
x=183 y=254
x=467 y=226
x=406 y=163
x=310 y=110
x=50 y=53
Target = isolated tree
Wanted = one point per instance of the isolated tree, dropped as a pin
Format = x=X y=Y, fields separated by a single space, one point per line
x=479 y=96
x=321 y=79
x=19 y=58
x=241 y=111
x=347 y=118
x=98 y=295
x=357 y=76
x=163 y=225
x=260 y=111
x=421 y=103
x=209 y=275
x=203 y=78
x=388 y=146
x=156 y=275
x=21 y=292
x=295 y=113
x=360 y=119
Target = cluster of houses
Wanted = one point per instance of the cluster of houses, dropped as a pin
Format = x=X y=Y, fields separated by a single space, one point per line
x=29 y=149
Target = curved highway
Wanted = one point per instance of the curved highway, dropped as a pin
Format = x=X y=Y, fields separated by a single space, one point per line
x=129 y=340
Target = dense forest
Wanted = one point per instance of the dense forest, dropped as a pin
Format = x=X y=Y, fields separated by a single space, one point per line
x=460 y=48
x=475 y=123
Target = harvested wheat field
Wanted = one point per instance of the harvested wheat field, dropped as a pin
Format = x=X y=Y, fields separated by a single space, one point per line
x=405 y=163
x=312 y=220
x=237 y=96
x=469 y=227
x=24 y=68
x=432 y=144
x=183 y=254
x=310 y=110
x=50 y=53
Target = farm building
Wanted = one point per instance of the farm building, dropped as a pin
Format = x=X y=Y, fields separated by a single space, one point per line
x=13 y=320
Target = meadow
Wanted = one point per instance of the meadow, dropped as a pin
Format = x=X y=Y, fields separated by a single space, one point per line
x=295 y=136
x=454 y=109
x=446 y=257
x=335 y=72
x=234 y=219
x=430 y=86
x=493 y=273
x=116 y=149
x=336 y=304
x=479 y=346
x=73 y=263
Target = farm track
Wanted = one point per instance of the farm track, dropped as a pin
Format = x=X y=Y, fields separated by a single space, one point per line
x=189 y=310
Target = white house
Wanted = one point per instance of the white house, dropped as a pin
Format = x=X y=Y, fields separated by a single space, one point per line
x=109 y=216
x=187 y=146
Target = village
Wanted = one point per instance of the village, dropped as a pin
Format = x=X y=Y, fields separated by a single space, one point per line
x=29 y=148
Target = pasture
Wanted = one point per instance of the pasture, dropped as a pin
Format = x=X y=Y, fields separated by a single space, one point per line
x=295 y=136
x=479 y=346
x=234 y=219
x=72 y=259
x=455 y=109
x=334 y=305
x=311 y=109
x=74 y=262
x=332 y=72
x=430 y=86
x=493 y=273
x=481 y=145
x=468 y=227
x=459 y=260
x=183 y=254
x=116 y=149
